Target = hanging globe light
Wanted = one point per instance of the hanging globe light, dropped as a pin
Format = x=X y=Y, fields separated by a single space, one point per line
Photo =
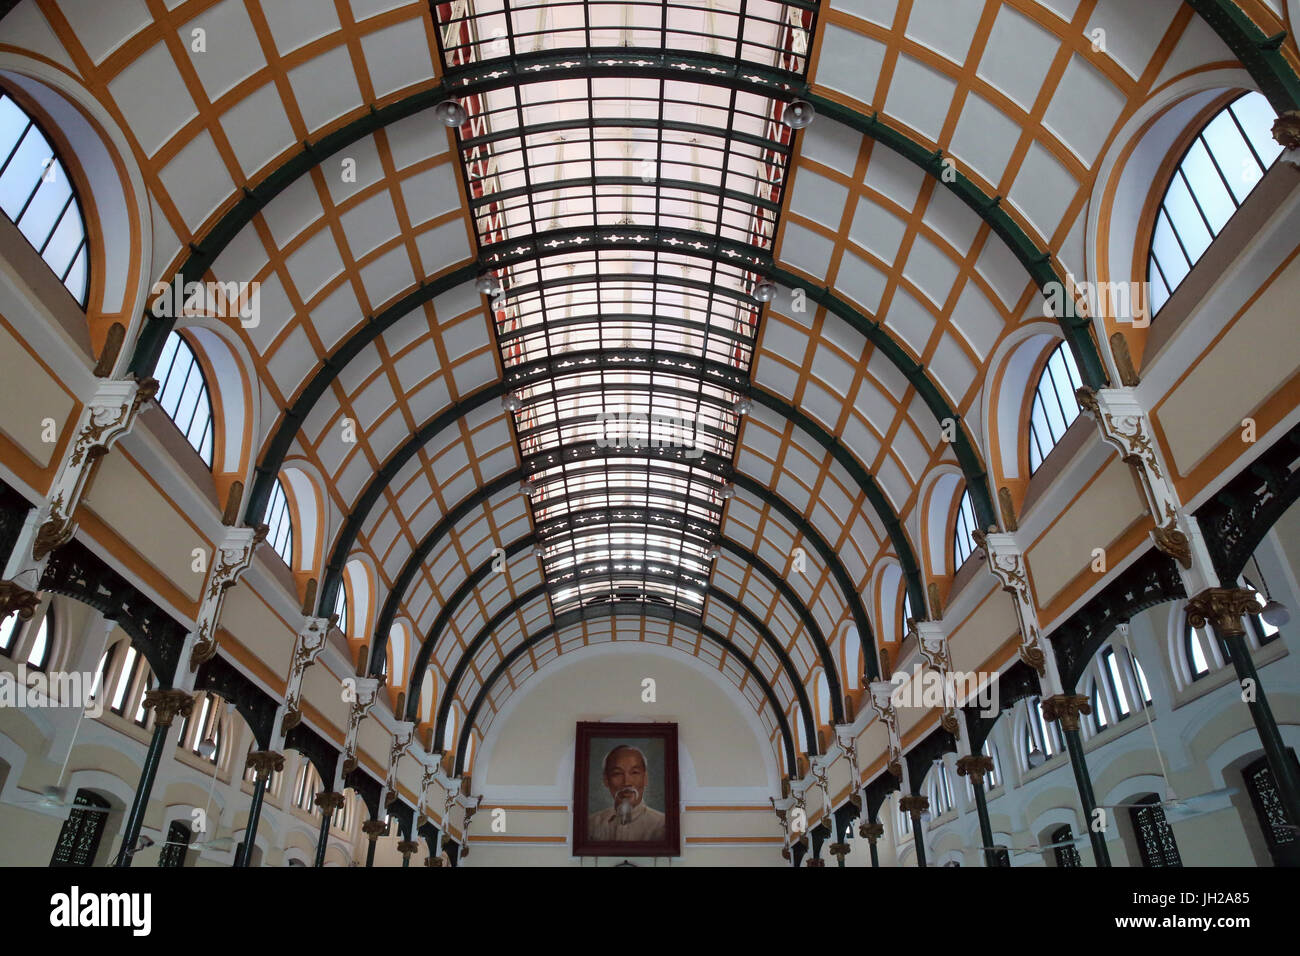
x=744 y=406
x=1275 y=613
x=207 y=747
x=451 y=113
x=798 y=114
x=511 y=402
x=486 y=284
x=765 y=291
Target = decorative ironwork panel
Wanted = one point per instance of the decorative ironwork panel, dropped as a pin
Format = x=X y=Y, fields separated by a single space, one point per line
x=1155 y=837
x=79 y=838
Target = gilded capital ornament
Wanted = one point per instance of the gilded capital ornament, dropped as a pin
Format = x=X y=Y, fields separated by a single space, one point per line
x=265 y=763
x=329 y=801
x=407 y=847
x=914 y=803
x=166 y=704
x=373 y=829
x=974 y=766
x=16 y=599
x=1222 y=609
x=872 y=831
x=1286 y=130
x=839 y=851
x=814 y=862
x=1066 y=708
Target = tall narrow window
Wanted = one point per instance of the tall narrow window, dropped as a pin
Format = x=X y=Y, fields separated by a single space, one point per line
x=79 y=838
x=1143 y=687
x=341 y=608
x=1054 y=408
x=1281 y=837
x=279 y=523
x=963 y=544
x=1063 y=848
x=183 y=394
x=177 y=846
x=1195 y=647
x=38 y=655
x=1041 y=736
x=1223 y=165
x=1118 y=696
x=1155 y=837
x=38 y=196
x=9 y=634
x=907 y=612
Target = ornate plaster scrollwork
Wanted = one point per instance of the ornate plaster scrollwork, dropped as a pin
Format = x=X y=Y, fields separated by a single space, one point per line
x=367 y=689
x=1007 y=563
x=310 y=643
x=883 y=704
x=233 y=557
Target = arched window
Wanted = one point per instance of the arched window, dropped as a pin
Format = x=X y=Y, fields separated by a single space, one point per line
x=992 y=779
x=1055 y=407
x=279 y=523
x=38 y=654
x=183 y=394
x=341 y=608
x=907 y=612
x=8 y=634
x=177 y=845
x=1196 y=648
x=1223 y=165
x=904 y=819
x=1155 y=837
x=963 y=544
x=1063 y=848
x=201 y=732
x=79 y=838
x=941 y=790
x=823 y=700
x=38 y=196
x=1041 y=739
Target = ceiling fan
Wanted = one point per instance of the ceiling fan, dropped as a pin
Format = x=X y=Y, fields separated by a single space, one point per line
x=56 y=798
x=1184 y=808
x=1039 y=848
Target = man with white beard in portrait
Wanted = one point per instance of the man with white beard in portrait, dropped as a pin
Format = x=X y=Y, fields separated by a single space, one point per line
x=629 y=819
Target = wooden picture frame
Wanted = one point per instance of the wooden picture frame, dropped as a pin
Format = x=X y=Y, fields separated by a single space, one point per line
x=620 y=813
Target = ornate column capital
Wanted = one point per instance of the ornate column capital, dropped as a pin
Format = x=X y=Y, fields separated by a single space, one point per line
x=872 y=831
x=1066 y=708
x=1223 y=609
x=974 y=766
x=265 y=763
x=814 y=861
x=914 y=803
x=1286 y=131
x=373 y=829
x=16 y=599
x=838 y=850
x=329 y=801
x=407 y=847
x=167 y=703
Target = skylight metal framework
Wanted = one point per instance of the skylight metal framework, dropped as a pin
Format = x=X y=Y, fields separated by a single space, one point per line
x=620 y=214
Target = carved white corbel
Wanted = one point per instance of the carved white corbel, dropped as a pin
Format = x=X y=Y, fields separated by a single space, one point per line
x=403 y=732
x=882 y=702
x=1126 y=427
x=367 y=689
x=232 y=558
x=109 y=414
x=1006 y=561
x=307 y=647
x=932 y=642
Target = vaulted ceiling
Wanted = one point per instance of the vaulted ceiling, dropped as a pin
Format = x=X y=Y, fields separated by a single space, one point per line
x=623 y=186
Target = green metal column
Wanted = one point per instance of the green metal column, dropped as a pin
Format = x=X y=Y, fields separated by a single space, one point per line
x=976 y=766
x=914 y=806
x=1082 y=780
x=165 y=704
x=328 y=802
x=873 y=831
x=250 y=831
x=1223 y=609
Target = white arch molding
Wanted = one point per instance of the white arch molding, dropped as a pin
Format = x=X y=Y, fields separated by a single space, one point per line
x=562 y=789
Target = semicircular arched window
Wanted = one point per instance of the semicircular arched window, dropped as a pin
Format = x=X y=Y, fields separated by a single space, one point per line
x=279 y=523
x=1055 y=407
x=341 y=607
x=38 y=196
x=183 y=394
x=1222 y=166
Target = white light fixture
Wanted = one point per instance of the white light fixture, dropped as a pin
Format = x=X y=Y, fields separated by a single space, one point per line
x=765 y=291
x=451 y=113
x=1275 y=613
x=925 y=816
x=713 y=554
x=511 y=402
x=798 y=114
x=744 y=406
x=529 y=487
x=728 y=491
x=1036 y=758
x=207 y=747
x=486 y=284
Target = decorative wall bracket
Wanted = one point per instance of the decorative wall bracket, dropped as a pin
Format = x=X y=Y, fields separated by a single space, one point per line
x=883 y=704
x=232 y=558
x=1126 y=427
x=1006 y=561
x=402 y=735
x=366 y=690
x=307 y=647
x=932 y=642
x=107 y=416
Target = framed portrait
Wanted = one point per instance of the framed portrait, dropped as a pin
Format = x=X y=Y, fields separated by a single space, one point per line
x=625 y=790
